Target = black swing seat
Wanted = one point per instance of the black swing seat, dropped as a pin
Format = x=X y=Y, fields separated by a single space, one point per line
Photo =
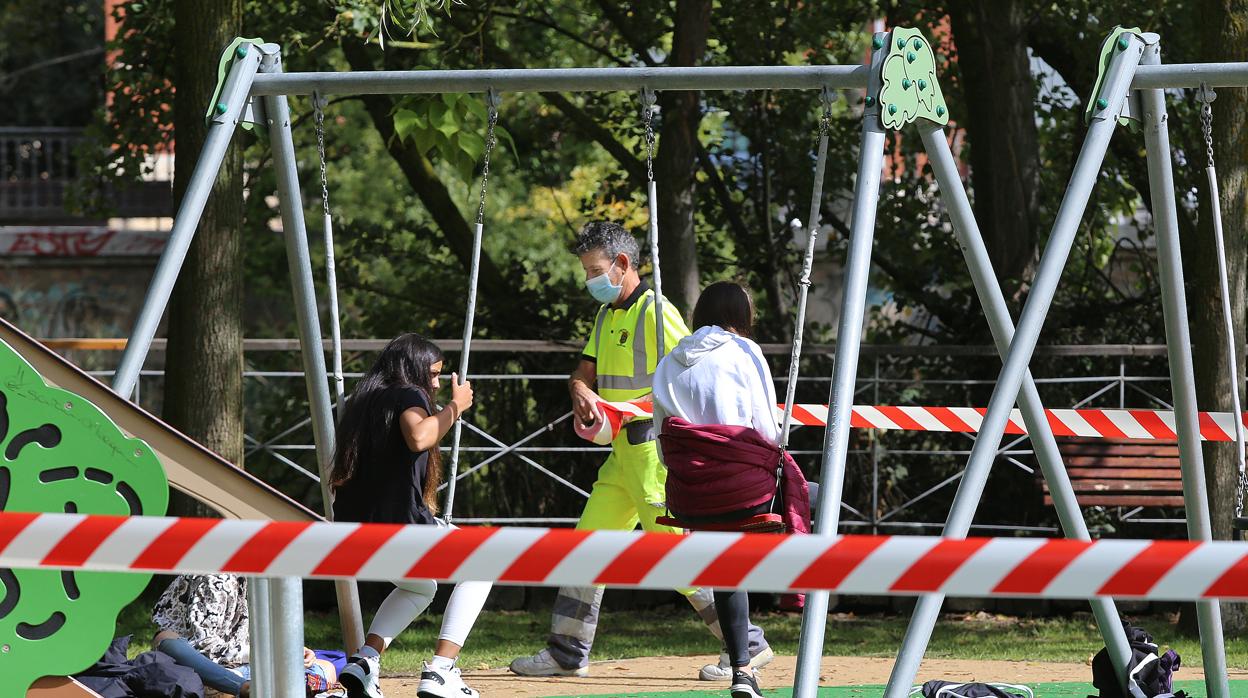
x=758 y=523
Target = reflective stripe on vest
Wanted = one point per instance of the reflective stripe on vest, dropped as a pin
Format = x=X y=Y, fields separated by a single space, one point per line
x=621 y=375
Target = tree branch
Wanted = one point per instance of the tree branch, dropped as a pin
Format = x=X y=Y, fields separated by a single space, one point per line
x=639 y=44
x=433 y=193
x=562 y=31
x=581 y=119
x=731 y=211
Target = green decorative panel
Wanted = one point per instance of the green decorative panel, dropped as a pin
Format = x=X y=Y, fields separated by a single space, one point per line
x=909 y=89
x=60 y=453
x=1114 y=44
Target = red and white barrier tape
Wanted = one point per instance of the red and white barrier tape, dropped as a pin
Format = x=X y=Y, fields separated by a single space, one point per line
x=1109 y=423
x=1049 y=568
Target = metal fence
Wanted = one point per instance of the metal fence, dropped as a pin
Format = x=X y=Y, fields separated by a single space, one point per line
x=39 y=166
x=898 y=481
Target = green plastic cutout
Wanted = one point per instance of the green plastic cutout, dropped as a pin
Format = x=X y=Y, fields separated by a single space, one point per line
x=60 y=453
x=236 y=50
x=1114 y=44
x=909 y=89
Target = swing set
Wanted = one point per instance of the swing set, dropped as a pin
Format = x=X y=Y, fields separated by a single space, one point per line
x=902 y=88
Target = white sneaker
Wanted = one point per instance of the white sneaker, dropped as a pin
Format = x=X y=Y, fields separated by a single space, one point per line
x=443 y=683
x=542 y=664
x=723 y=670
x=360 y=677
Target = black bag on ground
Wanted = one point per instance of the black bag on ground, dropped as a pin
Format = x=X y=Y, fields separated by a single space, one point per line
x=1148 y=675
x=955 y=689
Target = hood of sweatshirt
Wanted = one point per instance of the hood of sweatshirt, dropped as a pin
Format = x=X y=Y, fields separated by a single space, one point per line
x=700 y=344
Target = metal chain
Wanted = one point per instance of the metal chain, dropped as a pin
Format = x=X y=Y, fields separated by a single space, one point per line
x=490 y=141
x=1205 y=96
x=647 y=120
x=319 y=117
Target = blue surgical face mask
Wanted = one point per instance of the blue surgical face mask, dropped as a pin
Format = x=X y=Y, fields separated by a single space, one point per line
x=601 y=288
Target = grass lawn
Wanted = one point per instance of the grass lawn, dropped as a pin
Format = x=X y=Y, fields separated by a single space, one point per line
x=500 y=636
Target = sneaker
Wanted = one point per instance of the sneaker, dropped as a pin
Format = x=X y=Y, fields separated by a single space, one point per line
x=542 y=664
x=443 y=683
x=745 y=685
x=360 y=677
x=723 y=670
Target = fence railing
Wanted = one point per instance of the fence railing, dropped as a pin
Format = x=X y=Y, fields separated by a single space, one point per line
x=903 y=482
x=39 y=166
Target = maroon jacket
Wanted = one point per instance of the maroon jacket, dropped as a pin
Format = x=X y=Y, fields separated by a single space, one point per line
x=716 y=469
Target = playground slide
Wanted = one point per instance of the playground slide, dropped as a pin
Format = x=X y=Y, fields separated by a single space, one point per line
x=190 y=468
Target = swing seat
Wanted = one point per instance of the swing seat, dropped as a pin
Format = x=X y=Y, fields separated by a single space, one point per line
x=758 y=523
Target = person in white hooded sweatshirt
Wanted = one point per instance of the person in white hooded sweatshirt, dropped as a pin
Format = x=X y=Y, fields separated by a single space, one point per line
x=717 y=375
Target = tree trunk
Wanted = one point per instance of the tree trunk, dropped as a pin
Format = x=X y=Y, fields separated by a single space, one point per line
x=1229 y=20
x=1005 y=161
x=204 y=365
x=677 y=160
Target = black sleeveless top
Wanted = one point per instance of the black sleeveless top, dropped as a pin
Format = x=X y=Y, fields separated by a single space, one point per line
x=388 y=486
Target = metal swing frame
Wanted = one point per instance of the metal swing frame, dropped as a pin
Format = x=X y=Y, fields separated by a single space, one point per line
x=256 y=91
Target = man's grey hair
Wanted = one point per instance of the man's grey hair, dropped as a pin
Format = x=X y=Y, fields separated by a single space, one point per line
x=609 y=238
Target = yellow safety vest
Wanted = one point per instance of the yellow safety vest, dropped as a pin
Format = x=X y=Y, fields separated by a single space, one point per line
x=623 y=345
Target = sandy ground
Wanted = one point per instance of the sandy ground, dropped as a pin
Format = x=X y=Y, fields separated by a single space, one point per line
x=656 y=674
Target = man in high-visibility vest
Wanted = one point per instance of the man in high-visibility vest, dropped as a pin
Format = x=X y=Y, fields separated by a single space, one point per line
x=620 y=358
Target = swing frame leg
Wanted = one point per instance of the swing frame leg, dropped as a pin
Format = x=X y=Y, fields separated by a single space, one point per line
x=1021 y=348
x=1182 y=372
x=966 y=229
x=844 y=376
x=298 y=257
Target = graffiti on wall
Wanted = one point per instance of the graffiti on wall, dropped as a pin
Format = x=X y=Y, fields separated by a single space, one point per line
x=79 y=241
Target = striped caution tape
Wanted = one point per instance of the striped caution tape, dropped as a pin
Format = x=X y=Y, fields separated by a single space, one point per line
x=1089 y=423
x=903 y=565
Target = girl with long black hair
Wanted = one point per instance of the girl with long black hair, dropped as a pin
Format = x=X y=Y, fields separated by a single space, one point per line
x=387 y=470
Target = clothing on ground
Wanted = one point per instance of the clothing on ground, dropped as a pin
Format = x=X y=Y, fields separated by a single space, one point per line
x=388 y=486
x=148 y=674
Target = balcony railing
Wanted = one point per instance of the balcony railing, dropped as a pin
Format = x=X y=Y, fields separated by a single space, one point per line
x=38 y=168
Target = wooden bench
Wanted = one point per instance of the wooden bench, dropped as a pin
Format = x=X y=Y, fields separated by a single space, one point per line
x=1122 y=472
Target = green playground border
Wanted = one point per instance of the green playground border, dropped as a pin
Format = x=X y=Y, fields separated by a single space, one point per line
x=1066 y=689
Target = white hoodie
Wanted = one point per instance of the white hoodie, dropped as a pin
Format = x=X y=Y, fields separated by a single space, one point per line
x=716 y=377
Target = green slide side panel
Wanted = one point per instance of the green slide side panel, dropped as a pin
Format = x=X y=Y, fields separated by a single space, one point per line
x=1111 y=46
x=60 y=453
x=908 y=86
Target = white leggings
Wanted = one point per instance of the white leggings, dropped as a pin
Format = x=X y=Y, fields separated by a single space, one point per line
x=411 y=597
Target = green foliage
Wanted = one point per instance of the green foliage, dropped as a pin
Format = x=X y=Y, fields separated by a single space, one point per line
x=443 y=125
x=42 y=49
x=379 y=18
x=62 y=454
